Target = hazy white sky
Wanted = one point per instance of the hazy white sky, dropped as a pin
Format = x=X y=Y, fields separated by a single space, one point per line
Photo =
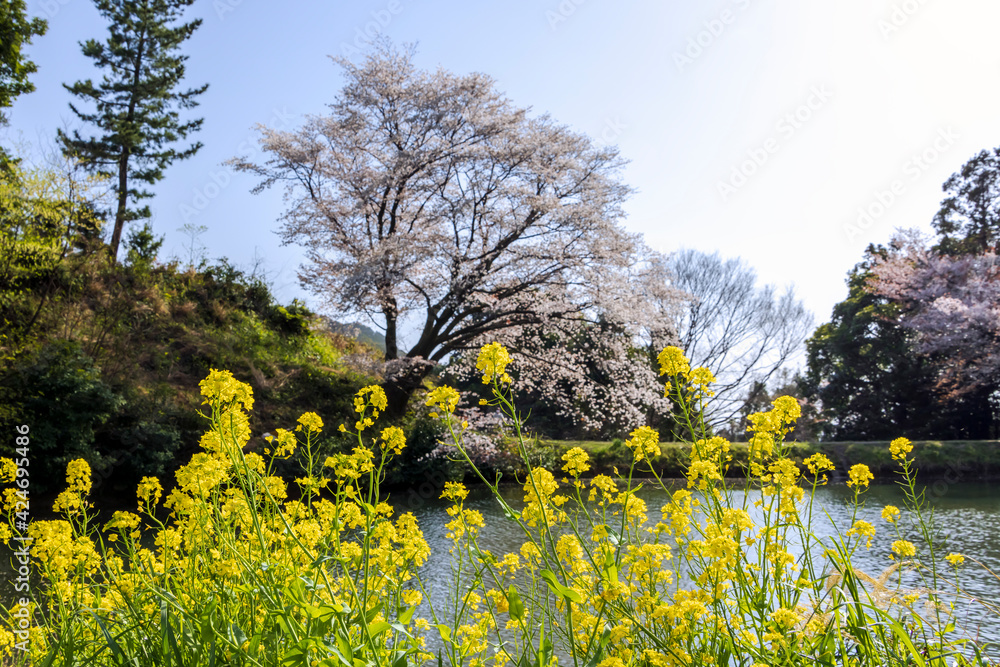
x=758 y=129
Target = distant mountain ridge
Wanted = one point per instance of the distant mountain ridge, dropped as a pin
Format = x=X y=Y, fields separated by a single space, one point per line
x=357 y=331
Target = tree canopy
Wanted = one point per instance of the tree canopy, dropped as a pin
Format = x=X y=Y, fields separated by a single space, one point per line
x=137 y=104
x=741 y=331
x=431 y=196
x=16 y=30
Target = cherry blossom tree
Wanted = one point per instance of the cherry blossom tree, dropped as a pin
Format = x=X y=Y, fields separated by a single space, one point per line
x=593 y=374
x=429 y=198
x=952 y=303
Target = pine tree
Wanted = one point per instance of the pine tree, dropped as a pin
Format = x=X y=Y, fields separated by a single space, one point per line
x=136 y=104
x=16 y=30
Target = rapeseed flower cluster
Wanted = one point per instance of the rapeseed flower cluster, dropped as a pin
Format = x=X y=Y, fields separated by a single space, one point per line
x=253 y=573
x=231 y=528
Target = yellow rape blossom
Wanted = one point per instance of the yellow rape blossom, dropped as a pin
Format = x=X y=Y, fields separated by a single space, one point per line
x=492 y=362
x=890 y=513
x=221 y=387
x=393 y=439
x=78 y=476
x=899 y=448
x=577 y=462
x=859 y=475
x=673 y=362
x=454 y=491
x=904 y=549
x=862 y=529
x=443 y=398
x=148 y=492
x=955 y=559
x=371 y=396
x=818 y=463
x=644 y=443
x=310 y=422
x=8 y=471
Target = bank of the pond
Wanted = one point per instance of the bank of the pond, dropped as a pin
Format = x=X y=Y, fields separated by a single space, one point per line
x=950 y=461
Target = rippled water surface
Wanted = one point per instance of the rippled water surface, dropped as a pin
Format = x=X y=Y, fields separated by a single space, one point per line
x=967 y=518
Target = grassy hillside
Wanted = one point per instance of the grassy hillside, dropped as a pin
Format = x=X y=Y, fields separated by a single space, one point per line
x=109 y=369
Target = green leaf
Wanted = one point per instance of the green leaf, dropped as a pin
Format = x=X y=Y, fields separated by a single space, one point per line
x=406 y=616
x=445 y=632
x=346 y=653
x=372 y=613
x=559 y=589
x=514 y=604
x=375 y=629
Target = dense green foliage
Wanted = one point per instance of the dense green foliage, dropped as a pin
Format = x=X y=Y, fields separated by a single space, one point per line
x=16 y=30
x=103 y=361
x=882 y=365
x=864 y=371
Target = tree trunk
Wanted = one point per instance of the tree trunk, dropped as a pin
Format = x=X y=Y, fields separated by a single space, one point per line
x=391 y=346
x=116 y=236
x=403 y=377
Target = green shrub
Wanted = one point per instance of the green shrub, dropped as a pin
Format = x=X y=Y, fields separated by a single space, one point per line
x=59 y=394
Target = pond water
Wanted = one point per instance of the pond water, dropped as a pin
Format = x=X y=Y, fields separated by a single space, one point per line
x=967 y=516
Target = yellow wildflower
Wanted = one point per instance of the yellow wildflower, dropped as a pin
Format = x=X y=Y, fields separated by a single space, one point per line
x=859 y=475
x=454 y=491
x=644 y=442
x=903 y=548
x=890 y=513
x=493 y=361
x=310 y=421
x=78 y=476
x=372 y=395
x=787 y=409
x=393 y=439
x=8 y=471
x=784 y=617
x=443 y=398
x=955 y=559
x=222 y=387
x=862 y=529
x=576 y=462
x=899 y=448
x=818 y=463
x=673 y=362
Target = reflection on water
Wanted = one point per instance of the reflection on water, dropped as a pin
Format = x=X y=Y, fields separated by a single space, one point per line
x=966 y=517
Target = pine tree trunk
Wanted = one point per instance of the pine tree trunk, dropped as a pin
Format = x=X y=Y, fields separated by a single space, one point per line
x=116 y=236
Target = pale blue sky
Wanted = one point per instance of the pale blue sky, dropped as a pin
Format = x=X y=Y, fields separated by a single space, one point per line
x=874 y=83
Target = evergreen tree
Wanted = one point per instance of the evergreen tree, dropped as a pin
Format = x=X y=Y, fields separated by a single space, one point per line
x=136 y=103
x=873 y=385
x=16 y=30
x=969 y=219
